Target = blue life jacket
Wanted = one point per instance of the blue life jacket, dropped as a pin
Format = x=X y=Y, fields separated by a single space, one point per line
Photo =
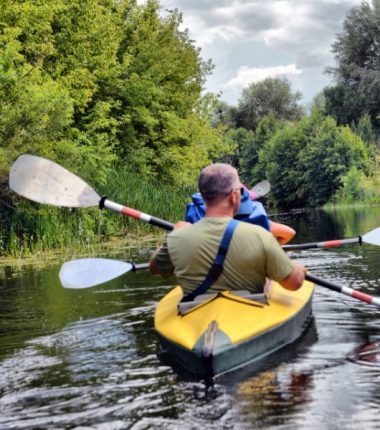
x=250 y=211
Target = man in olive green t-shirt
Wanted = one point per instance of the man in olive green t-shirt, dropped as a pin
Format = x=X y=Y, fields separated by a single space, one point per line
x=253 y=254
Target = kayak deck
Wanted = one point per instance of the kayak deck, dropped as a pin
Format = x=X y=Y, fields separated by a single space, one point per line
x=227 y=330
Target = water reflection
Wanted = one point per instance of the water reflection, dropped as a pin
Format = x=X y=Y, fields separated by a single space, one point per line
x=88 y=358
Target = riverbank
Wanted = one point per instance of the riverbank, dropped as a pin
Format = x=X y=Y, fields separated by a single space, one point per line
x=28 y=229
x=135 y=248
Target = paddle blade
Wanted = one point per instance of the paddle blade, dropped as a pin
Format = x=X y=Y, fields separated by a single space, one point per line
x=88 y=272
x=44 y=181
x=372 y=237
x=261 y=189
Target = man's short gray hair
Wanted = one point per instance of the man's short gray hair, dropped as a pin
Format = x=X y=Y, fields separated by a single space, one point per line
x=217 y=180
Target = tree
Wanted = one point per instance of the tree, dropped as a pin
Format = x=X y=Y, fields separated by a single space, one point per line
x=233 y=142
x=96 y=83
x=53 y=57
x=165 y=130
x=224 y=115
x=329 y=154
x=250 y=148
x=272 y=96
x=90 y=82
x=305 y=162
x=365 y=131
x=278 y=163
x=357 y=70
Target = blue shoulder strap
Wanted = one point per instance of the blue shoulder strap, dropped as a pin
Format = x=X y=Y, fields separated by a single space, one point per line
x=217 y=266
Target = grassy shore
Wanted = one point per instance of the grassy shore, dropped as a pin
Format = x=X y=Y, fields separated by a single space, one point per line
x=32 y=229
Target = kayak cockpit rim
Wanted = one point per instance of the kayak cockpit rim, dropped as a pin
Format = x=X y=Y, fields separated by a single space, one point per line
x=241 y=296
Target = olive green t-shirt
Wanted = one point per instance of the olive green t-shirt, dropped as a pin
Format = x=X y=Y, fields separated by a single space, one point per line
x=253 y=255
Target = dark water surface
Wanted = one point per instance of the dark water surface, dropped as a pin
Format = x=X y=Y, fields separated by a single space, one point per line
x=87 y=359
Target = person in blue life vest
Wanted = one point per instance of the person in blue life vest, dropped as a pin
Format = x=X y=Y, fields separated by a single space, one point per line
x=250 y=211
x=252 y=256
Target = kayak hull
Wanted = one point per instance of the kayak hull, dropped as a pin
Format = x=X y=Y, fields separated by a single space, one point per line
x=228 y=331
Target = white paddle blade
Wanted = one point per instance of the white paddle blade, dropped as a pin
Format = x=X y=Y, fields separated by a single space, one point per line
x=44 y=181
x=372 y=237
x=88 y=272
x=261 y=189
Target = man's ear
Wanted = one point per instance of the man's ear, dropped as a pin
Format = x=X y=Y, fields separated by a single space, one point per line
x=235 y=201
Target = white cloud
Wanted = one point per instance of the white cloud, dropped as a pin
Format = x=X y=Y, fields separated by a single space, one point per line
x=247 y=75
x=249 y=38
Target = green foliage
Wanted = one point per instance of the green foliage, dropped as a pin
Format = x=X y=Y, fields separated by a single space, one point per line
x=251 y=146
x=351 y=190
x=357 y=187
x=278 y=163
x=305 y=162
x=365 y=130
x=272 y=96
x=357 y=70
x=318 y=103
x=224 y=115
x=30 y=228
x=165 y=121
x=87 y=83
x=233 y=141
x=160 y=200
x=328 y=155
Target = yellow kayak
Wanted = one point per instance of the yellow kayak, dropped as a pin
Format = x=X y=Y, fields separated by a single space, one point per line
x=220 y=332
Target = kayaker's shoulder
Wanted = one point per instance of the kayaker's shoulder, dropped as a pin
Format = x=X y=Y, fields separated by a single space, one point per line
x=249 y=228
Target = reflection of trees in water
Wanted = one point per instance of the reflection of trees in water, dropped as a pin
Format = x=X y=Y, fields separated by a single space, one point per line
x=267 y=398
x=367 y=353
x=356 y=220
x=360 y=262
x=330 y=223
x=310 y=225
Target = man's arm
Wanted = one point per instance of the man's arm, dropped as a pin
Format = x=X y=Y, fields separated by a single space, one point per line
x=283 y=233
x=296 y=277
x=288 y=273
x=160 y=263
x=167 y=268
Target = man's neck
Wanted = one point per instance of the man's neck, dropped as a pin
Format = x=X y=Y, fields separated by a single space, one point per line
x=219 y=212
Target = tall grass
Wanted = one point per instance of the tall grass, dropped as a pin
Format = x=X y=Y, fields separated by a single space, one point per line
x=159 y=200
x=33 y=228
x=357 y=188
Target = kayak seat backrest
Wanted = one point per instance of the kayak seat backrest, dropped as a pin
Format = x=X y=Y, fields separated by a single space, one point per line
x=202 y=299
x=257 y=297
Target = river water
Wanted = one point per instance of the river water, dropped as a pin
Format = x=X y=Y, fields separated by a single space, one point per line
x=87 y=359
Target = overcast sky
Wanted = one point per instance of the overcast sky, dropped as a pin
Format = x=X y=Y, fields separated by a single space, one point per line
x=249 y=40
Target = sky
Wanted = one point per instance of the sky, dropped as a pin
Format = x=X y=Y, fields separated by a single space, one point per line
x=249 y=40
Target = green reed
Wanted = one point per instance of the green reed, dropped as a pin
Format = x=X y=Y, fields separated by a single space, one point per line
x=162 y=201
x=32 y=228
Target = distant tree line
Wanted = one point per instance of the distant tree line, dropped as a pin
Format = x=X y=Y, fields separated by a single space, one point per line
x=330 y=153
